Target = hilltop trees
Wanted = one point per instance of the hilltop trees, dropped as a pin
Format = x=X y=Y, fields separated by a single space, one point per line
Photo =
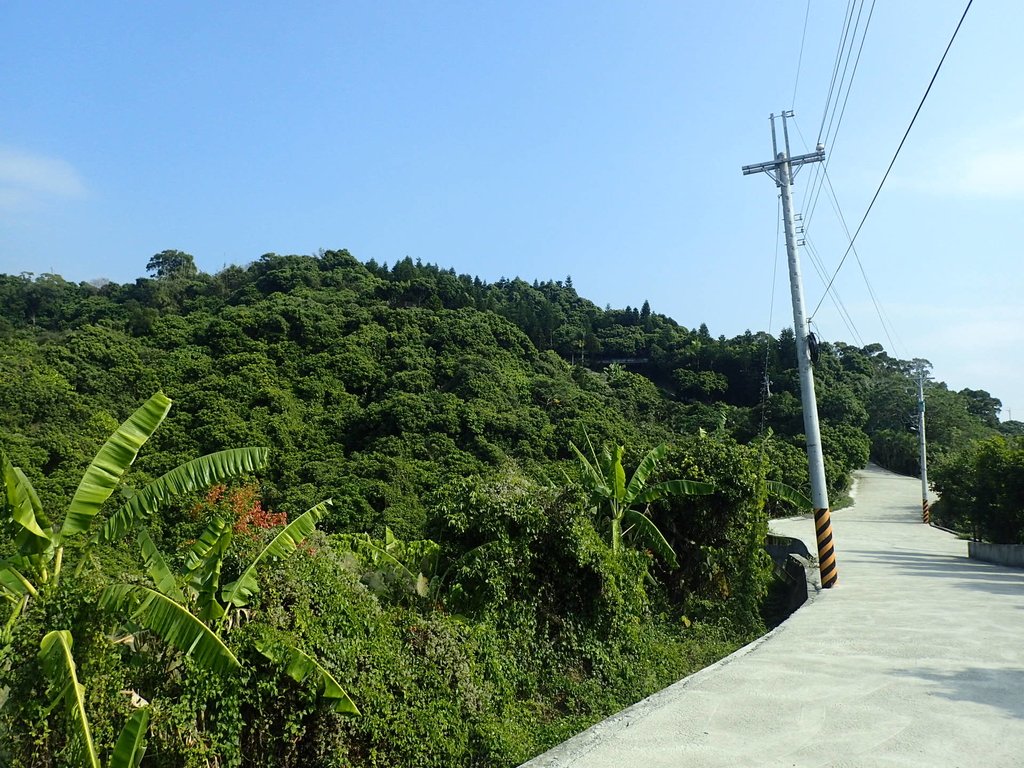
x=323 y=351
x=169 y=265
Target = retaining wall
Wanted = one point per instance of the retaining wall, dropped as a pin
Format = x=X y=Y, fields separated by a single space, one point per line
x=1011 y=555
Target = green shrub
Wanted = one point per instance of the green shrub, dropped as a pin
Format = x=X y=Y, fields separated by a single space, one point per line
x=724 y=572
x=982 y=489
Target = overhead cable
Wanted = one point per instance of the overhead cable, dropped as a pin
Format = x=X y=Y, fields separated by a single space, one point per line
x=835 y=66
x=900 y=147
x=831 y=135
x=831 y=142
x=800 y=57
x=883 y=317
x=844 y=313
x=842 y=77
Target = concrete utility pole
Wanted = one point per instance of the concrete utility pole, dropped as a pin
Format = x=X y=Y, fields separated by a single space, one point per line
x=781 y=170
x=926 y=512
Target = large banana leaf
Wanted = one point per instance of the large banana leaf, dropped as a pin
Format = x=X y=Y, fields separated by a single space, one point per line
x=594 y=479
x=173 y=623
x=203 y=567
x=116 y=455
x=648 y=533
x=13 y=585
x=28 y=542
x=790 y=494
x=300 y=666
x=239 y=592
x=22 y=500
x=604 y=461
x=131 y=744
x=639 y=479
x=59 y=666
x=420 y=555
x=211 y=540
x=158 y=569
x=618 y=472
x=414 y=562
x=363 y=544
x=189 y=477
x=675 y=488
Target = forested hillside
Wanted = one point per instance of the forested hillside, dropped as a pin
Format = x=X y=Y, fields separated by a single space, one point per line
x=463 y=589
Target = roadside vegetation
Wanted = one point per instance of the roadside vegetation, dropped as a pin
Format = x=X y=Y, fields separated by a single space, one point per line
x=399 y=516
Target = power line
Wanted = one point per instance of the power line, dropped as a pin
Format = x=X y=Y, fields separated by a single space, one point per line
x=864 y=35
x=835 y=67
x=900 y=147
x=883 y=316
x=800 y=58
x=879 y=309
x=819 y=267
x=844 y=313
x=809 y=192
x=842 y=78
x=766 y=384
x=775 y=266
x=831 y=135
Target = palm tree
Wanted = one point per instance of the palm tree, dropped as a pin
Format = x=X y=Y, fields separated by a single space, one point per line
x=616 y=500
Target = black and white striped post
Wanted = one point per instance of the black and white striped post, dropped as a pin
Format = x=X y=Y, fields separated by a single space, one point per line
x=781 y=169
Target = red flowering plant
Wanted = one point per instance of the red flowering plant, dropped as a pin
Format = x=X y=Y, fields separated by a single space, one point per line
x=242 y=507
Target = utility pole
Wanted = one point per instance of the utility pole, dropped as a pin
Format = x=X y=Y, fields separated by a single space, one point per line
x=781 y=170
x=926 y=512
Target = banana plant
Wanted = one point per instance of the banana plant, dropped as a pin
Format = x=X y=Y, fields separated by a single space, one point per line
x=39 y=543
x=192 y=612
x=35 y=566
x=788 y=493
x=411 y=566
x=58 y=663
x=615 y=500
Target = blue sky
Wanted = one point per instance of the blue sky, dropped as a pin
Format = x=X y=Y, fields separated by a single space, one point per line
x=593 y=139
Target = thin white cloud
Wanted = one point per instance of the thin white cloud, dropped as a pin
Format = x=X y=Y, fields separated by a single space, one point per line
x=997 y=174
x=967 y=330
x=988 y=163
x=27 y=178
x=975 y=347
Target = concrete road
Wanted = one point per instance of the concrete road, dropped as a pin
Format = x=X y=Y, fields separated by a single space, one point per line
x=916 y=658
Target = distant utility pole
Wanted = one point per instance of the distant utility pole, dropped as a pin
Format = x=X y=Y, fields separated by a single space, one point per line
x=781 y=170
x=926 y=512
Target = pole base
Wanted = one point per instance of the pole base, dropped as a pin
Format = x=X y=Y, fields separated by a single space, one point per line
x=826 y=549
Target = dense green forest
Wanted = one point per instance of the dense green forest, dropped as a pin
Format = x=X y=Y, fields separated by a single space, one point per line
x=432 y=563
